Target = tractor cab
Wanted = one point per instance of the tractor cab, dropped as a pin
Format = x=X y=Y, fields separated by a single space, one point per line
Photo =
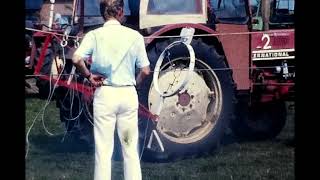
x=274 y=14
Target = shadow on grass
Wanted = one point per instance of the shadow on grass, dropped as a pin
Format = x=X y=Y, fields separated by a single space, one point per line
x=231 y=138
x=31 y=95
x=56 y=144
x=71 y=144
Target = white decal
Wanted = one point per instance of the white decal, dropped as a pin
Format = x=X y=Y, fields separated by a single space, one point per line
x=273 y=54
x=266 y=45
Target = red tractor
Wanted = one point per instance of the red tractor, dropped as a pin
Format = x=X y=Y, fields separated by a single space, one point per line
x=244 y=71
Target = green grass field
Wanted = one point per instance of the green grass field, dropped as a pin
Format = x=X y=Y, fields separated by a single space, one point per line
x=50 y=158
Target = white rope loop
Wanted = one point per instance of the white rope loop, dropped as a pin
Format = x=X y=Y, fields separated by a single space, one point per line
x=159 y=63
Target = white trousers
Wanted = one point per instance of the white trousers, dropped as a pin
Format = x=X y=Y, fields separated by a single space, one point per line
x=116 y=106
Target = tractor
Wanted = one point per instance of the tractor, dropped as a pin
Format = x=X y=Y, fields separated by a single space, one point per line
x=244 y=70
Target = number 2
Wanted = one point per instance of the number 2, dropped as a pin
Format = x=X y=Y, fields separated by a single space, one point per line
x=266 y=45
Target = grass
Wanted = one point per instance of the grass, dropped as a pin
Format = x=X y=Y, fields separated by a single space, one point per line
x=51 y=159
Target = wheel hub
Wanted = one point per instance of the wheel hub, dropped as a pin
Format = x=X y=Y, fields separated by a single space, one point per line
x=184 y=98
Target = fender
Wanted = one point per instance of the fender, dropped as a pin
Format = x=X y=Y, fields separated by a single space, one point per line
x=169 y=28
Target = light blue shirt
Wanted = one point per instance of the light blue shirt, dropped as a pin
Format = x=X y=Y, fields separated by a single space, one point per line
x=116 y=52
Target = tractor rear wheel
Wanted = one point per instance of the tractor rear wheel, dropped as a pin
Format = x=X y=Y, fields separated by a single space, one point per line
x=52 y=62
x=75 y=113
x=44 y=85
x=191 y=122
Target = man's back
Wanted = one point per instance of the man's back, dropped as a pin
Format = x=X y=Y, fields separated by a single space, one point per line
x=116 y=52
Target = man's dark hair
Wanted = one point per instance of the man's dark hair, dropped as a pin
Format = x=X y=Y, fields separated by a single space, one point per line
x=110 y=8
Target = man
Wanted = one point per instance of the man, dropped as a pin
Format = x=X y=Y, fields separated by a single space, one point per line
x=116 y=51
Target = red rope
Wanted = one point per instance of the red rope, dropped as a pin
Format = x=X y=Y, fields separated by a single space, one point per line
x=43 y=54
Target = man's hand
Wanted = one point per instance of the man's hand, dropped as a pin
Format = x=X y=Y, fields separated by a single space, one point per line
x=96 y=80
x=145 y=71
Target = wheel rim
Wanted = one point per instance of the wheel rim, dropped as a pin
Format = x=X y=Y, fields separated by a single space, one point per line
x=192 y=114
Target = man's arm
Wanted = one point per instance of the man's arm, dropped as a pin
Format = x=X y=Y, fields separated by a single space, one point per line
x=94 y=79
x=144 y=71
x=78 y=61
x=85 y=50
x=142 y=60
